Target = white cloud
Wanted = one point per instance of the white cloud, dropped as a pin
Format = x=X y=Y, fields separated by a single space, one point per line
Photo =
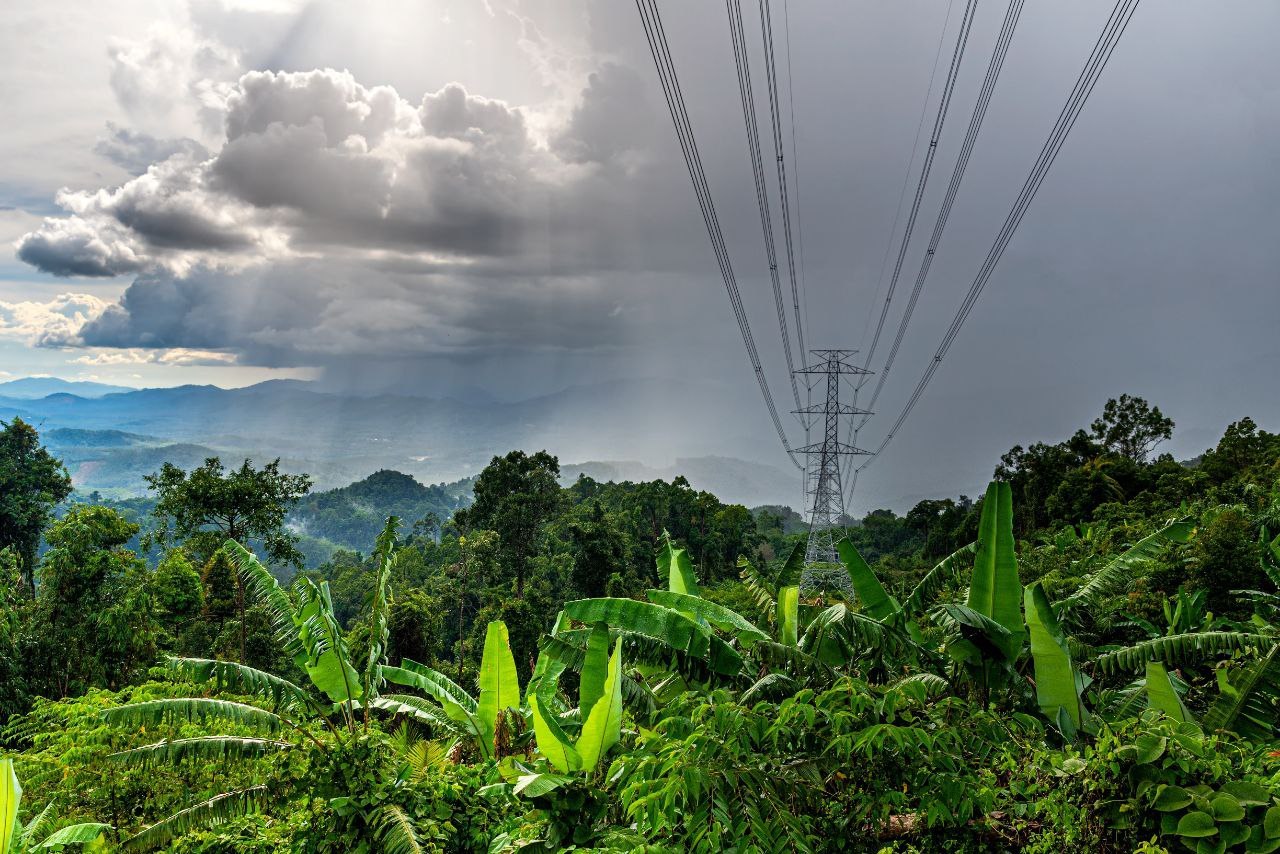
x=177 y=356
x=42 y=323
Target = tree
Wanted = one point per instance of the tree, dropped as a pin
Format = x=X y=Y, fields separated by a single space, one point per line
x=1226 y=559
x=515 y=496
x=1131 y=427
x=207 y=507
x=599 y=550
x=32 y=482
x=94 y=623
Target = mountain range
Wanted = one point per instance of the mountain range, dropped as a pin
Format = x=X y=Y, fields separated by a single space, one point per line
x=110 y=437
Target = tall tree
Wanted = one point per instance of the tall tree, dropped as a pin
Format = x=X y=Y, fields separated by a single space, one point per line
x=206 y=507
x=1131 y=427
x=32 y=482
x=515 y=496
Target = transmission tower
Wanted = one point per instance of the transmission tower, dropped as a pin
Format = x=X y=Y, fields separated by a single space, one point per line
x=822 y=469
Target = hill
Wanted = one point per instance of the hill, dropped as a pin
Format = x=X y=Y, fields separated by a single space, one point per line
x=353 y=515
x=34 y=388
x=338 y=438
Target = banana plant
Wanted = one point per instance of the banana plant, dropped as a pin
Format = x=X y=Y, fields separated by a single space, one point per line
x=19 y=838
x=483 y=722
x=290 y=716
x=599 y=709
x=676 y=637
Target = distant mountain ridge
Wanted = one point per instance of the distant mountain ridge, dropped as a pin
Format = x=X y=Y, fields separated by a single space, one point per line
x=34 y=388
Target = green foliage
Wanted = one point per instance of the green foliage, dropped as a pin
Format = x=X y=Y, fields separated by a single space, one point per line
x=209 y=505
x=32 y=481
x=1109 y=683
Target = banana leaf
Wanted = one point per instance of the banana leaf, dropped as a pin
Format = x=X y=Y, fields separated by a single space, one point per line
x=499 y=682
x=995 y=590
x=1058 y=683
x=603 y=727
x=871 y=593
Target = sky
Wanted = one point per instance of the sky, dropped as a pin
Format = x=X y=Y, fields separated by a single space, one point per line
x=487 y=198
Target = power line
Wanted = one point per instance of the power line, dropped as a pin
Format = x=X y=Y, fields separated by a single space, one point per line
x=998 y=54
x=659 y=49
x=962 y=39
x=1103 y=49
x=906 y=178
x=742 y=65
x=795 y=160
x=771 y=76
x=1001 y=49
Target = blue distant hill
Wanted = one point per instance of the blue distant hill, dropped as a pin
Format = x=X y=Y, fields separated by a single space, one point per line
x=34 y=388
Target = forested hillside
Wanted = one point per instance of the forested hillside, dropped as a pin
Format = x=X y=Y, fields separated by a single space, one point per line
x=1085 y=657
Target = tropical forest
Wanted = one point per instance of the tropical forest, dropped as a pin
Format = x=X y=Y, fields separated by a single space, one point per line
x=1084 y=658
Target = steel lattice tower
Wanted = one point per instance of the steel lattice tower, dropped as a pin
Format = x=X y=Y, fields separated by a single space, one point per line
x=822 y=471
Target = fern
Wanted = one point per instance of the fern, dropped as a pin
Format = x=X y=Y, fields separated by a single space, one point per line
x=1190 y=648
x=395 y=832
x=219 y=809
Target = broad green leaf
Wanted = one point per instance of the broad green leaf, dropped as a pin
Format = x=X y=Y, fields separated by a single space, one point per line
x=595 y=669
x=995 y=589
x=215 y=748
x=645 y=618
x=791 y=570
x=216 y=810
x=1171 y=799
x=948 y=571
x=719 y=616
x=675 y=564
x=1121 y=570
x=1196 y=825
x=243 y=679
x=10 y=797
x=551 y=742
x=1189 y=648
x=536 y=785
x=1247 y=703
x=1162 y=696
x=602 y=729
x=1247 y=793
x=324 y=650
x=384 y=554
x=264 y=588
x=499 y=682
x=431 y=682
x=1226 y=808
x=1271 y=823
x=1058 y=683
x=871 y=593
x=76 y=834
x=189 y=709
x=788 y=615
